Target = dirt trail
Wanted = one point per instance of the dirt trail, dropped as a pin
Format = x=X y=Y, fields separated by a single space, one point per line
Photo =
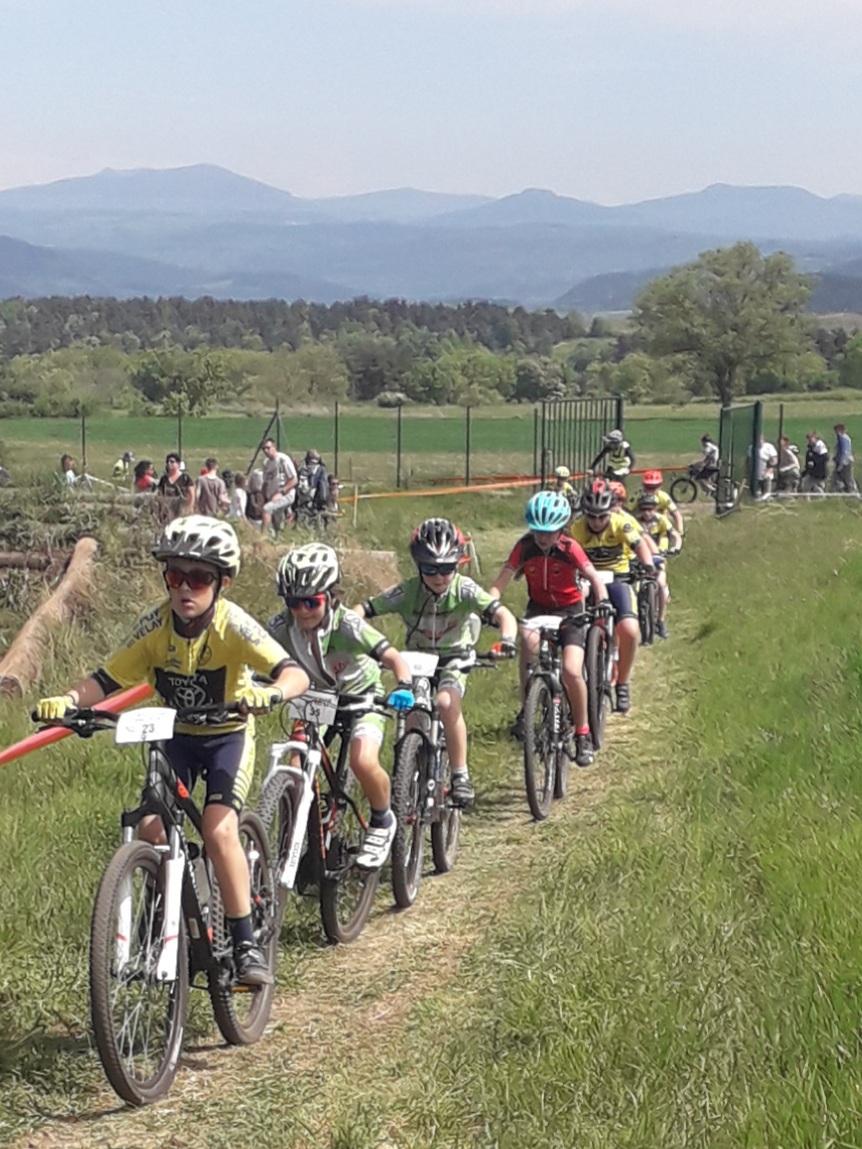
x=400 y=958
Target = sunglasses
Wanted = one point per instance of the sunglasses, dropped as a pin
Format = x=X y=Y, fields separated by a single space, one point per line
x=194 y=580
x=432 y=569
x=310 y=602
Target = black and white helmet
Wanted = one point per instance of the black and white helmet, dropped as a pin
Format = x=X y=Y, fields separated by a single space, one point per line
x=307 y=570
x=200 y=537
x=614 y=438
x=436 y=541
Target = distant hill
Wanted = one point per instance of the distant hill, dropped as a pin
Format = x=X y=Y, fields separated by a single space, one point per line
x=535 y=205
x=615 y=291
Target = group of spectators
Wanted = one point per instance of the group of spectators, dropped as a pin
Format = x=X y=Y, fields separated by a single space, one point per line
x=782 y=469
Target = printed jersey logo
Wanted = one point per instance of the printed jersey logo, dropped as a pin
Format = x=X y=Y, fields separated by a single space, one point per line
x=191 y=691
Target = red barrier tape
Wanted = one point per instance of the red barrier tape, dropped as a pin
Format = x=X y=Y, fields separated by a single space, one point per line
x=122 y=700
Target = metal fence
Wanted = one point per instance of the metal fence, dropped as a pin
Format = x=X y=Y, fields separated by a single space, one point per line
x=569 y=432
x=740 y=429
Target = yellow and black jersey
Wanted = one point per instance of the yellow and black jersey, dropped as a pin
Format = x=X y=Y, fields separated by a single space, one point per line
x=613 y=548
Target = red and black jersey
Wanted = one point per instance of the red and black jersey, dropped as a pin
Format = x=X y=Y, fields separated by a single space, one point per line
x=551 y=575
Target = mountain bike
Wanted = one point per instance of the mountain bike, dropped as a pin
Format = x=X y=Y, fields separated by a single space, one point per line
x=548 y=722
x=648 y=601
x=317 y=832
x=600 y=656
x=158 y=922
x=421 y=778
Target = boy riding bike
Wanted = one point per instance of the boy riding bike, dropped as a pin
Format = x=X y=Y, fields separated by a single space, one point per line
x=198 y=649
x=666 y=540
x=652 y=485
x=551 y=561
x=439 y=608
x=341 y=652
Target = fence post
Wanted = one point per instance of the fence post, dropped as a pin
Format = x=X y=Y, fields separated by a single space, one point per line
x=756 y=432
x=467 y=413
x=83 y=443
x=180 y=430
x=355 y=503
x=398 y=447
x=335 y=437
x=535 y=441
x=621 y=412
x=277 y=418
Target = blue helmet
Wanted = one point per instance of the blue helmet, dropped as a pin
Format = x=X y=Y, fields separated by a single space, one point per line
x=547 y=511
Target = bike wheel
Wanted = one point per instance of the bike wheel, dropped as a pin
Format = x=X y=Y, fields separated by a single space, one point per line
x=242 y=1012
x=595 y=663
x=138 y=1021
x=408 y=796
x=646 y=616
x=540 y=747
x=683 y=490
x=652 y=607
x=446 y=830
x=561 y=773
x=346 y=892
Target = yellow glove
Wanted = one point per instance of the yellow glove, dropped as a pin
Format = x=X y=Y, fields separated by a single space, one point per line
x=50 y=709
x=260 y=699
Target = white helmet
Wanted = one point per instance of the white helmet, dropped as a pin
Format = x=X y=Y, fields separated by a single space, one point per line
x=307 y=570
x=563 y=473
x=200 y=537
x=615 y=437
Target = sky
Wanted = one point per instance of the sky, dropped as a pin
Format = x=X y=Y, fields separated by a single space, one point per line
x=607 y=100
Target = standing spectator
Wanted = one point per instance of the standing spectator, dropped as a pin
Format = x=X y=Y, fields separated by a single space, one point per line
x=765 y=462
x=255 y=501
x=67 y=470
x=842 y=476
x=788 y=465
x=279 y=482
x=145 y=477
x=312 y=490
x=176 y=490
x=239 y=497
x=211 y=491
x=816 y=460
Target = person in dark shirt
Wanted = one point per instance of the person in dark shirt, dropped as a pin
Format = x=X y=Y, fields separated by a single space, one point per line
x=176 y=490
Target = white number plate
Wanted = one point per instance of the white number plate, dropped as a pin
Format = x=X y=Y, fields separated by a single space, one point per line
x=149 y=724
x=542 y=621
x=315 y=706
x=607 y=577
x=422 y=663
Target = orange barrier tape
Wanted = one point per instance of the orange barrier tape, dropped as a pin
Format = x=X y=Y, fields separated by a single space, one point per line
x=122 y=700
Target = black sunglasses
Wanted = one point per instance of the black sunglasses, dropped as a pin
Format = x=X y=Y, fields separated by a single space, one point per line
x=431 y=569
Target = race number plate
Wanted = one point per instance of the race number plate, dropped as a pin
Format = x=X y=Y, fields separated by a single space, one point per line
x=421 y=662
x=543 y=622
x=317 y=706
x=149 y=724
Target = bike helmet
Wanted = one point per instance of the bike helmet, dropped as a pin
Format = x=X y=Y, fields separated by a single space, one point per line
x=200 y=537
x=615 y=437
x=647 y=501
x=547 y=511
x=436 y=541
x=307 y=570
x=653 y=479
x=563 y=473
x=597 y=499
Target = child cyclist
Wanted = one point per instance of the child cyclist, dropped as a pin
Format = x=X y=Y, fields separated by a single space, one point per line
x=652 y=485
x=340 y=651
x=439 y=608
x=197 y=649
x=551 y=562
x=658 y=528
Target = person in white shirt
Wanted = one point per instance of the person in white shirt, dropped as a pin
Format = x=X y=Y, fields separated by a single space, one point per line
x=238 y=497
x=767 y=461
x=279 y=482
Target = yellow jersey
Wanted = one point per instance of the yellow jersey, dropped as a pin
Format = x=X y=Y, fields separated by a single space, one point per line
x=666 y=505
x=613 y=548
x=658 y=528
x=210 y=668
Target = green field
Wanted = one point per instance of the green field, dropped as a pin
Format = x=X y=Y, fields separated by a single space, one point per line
x=433 y=439
x=673 y=960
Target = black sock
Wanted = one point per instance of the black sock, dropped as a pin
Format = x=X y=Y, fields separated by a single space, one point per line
x=240 y=929
x=380 y=818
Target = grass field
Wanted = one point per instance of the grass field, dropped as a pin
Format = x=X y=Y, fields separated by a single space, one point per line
x=673 y=960
x=433 y=439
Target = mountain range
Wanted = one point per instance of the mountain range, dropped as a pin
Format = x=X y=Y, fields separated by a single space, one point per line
x=204 y=230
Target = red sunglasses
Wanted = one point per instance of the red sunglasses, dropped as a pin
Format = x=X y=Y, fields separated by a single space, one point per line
x=310 y=602
x=194 y=580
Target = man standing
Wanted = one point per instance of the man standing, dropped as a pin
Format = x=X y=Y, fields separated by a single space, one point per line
x=842 y=476
x=212 y=496
x=279 y=482
x=816 y=459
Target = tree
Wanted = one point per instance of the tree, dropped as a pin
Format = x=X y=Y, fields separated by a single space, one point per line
x=179 y=381
x=730 y=314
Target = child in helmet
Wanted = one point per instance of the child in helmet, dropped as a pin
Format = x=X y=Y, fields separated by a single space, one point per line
x=198 y=649
x=340 y=651
x=440 y=608
x=665 y=539
x=652 y=485
x=616 y=457
x=551 y=562
x=563 y=486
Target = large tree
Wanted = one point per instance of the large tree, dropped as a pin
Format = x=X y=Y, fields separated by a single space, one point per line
x=728 y=315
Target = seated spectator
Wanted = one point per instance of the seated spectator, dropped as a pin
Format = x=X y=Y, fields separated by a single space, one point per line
x=145 y=477
x=312 y=489
x=239 y=497
x=67 y=470
x=255 y=501
x=122 y=468
x=211 y=492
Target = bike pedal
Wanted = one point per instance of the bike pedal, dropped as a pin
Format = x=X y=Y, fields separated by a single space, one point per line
x=238 y=987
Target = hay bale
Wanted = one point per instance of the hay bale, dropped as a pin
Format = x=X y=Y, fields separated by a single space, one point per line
x=369 y=572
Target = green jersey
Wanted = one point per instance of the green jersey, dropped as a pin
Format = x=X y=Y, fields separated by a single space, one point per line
x=342 y=654
x=445 y=622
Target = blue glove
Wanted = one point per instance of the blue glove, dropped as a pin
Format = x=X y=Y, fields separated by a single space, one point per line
x=401 y=699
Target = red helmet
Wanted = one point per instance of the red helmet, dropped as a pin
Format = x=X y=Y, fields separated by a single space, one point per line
x=653 y=478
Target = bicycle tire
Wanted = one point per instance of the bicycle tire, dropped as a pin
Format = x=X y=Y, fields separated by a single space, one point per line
x=242 y=1013
x=652 y=608
x=683 y=490
x=408 y=793
x=646 y=619
x=346 y=892
x=595 y=662
x=540 y=747
x=446 y=830
x=111 y=1036
x=561 y=770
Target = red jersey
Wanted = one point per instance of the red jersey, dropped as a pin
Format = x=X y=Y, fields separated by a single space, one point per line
x=551 y=576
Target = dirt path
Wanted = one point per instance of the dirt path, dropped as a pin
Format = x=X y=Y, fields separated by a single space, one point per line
x=352 y=1000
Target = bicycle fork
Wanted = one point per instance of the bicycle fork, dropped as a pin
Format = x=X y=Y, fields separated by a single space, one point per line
x=304 y=779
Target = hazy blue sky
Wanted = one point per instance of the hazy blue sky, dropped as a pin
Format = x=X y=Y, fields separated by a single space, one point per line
x=610 y=100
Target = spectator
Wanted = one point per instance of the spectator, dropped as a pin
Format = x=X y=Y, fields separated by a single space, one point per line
x=176 y=490
x=816 y=459
x=211 y=491
x=842 y=476
x=145 y=477
x=67 y=470
x=766 y=462
x=255 y=501
x=123 y=466
x=279 y=483
x=788 y=465
x=238 y=498
x=312 y=489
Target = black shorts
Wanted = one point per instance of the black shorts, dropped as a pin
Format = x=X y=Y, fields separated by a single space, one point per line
x=224 y=761
x=622 y=596
x=572 y=633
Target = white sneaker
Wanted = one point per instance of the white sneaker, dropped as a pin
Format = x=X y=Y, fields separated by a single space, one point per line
x=377 y=844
